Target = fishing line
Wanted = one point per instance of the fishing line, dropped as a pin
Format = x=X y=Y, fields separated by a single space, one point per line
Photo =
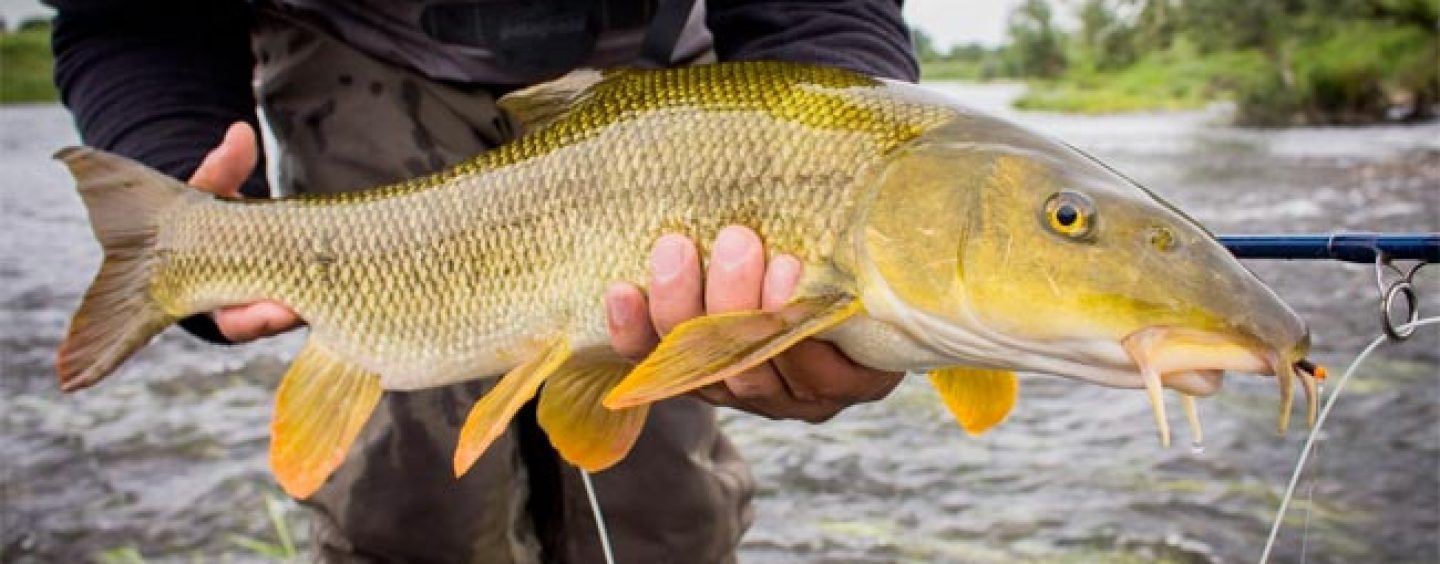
x=599 y=518
x=1320 y=422
x=1310 y=499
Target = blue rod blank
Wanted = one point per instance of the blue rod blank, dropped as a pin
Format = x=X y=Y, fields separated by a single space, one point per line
x=1349 y=247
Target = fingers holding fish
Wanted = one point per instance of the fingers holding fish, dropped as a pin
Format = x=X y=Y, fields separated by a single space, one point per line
x=813 y=381
x=627 y=318
x=734 y=282
x=781 y=277
x=676 y=288
x=227 y=166
x=221 y=173
x=247 y=322
x=816 y=371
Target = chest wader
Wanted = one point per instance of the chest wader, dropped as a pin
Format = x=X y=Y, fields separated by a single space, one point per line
x=346 y=119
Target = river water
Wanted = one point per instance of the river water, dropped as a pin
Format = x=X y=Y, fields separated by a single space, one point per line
x=168 y=457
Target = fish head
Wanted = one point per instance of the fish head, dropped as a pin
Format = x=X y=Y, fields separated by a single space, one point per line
x=999 y=247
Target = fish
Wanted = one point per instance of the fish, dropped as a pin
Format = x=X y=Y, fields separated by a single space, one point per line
x=935 y=239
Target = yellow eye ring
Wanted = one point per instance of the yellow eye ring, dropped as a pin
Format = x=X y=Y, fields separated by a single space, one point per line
x=1070 y=214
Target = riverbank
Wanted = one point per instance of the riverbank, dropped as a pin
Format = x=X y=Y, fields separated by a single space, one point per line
x=1295 y=64
x=1166 y=81
x=26 y=65
x=1350 y=78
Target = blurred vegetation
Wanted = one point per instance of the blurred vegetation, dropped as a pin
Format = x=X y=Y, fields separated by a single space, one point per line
x=1283 y=62
x=26 y=64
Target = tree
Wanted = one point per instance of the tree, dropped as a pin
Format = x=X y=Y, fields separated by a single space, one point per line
x=1105 y=39
x=924 y=45
x=1036 y=48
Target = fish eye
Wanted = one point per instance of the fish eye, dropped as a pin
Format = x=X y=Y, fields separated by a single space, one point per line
x=1070 y=214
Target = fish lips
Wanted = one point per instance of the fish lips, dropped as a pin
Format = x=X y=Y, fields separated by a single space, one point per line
x=1191 y=360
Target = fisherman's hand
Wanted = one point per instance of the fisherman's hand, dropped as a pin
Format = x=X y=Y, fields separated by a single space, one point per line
x=221 y=173
x=811 y=381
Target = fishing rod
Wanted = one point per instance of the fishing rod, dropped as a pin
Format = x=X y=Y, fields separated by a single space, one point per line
x=1394 y=283
x=1348 y=247
x=1379 y=249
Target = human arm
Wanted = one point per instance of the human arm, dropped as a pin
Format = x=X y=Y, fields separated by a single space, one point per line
x=865 y=36
x=160 y=82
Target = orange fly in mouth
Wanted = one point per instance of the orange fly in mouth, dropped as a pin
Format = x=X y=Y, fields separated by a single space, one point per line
x=1192 y=361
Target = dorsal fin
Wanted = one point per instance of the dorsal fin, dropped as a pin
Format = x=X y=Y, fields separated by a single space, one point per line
x=537 y=105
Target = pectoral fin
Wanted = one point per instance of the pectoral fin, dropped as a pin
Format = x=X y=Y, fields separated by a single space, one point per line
x=489 y=417
x=979 y=398
x=586 y=434
x=321 y=405
x=715 y=347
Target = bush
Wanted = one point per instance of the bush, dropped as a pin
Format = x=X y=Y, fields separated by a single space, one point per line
x=25 y=64
x=1354 y=74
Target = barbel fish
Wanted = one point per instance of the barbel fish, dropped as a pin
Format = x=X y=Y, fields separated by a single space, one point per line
x=935 y=239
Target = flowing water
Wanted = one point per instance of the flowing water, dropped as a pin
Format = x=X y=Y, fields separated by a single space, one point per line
x=168 y=457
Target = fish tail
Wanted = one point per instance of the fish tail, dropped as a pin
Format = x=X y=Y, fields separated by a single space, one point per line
x=118 y=315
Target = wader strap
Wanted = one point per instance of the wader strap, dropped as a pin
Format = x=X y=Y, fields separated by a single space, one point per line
x=664 y=32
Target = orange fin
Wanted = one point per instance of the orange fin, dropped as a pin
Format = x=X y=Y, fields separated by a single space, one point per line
x=715 y=347
x=979 y=398
x=491 y=415
x=321 y=405
x=126 y=201
x=586 y=434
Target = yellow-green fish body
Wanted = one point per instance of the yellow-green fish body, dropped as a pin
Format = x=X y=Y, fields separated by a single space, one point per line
x=927 y=234
x=450 y=277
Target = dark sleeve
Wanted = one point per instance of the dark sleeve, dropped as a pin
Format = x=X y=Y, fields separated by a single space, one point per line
x=158 y=82
x=867 y=36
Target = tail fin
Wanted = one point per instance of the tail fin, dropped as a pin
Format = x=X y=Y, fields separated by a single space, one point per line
x=117 y=315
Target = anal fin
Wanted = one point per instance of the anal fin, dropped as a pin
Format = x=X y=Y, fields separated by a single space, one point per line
x=492 y=414
x=714 y=347
x=584 y=432
x=321 y=406
x=979 y=398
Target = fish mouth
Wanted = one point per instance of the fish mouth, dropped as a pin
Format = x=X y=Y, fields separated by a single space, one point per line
x=1192 y=362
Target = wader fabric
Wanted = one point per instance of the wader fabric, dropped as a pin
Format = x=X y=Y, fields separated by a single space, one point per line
x=514 y=42
x=345 y=121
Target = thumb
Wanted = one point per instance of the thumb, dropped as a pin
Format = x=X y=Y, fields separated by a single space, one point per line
x=227 y=166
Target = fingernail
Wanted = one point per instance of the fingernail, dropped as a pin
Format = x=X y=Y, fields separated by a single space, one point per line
x=780 y=279
x=616 y=309
x=732 y=248
x=667 y=260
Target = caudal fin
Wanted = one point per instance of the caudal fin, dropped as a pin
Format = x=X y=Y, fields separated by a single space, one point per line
x=117 y=315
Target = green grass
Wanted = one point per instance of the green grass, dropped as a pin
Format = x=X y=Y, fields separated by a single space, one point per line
x=1350 y=73
x=282 y=549
x=26 y=65
x=1176 y=79
x=954 y=70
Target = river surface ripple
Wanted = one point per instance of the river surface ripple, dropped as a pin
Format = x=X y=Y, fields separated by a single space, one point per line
x=168 y=457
